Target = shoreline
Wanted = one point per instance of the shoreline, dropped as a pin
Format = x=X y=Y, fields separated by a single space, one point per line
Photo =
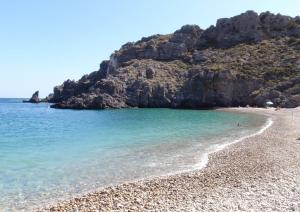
x=220 y=147
x=205 y=158
x=96 y=199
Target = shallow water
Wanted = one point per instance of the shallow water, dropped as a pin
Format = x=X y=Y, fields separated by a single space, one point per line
x=48 y=154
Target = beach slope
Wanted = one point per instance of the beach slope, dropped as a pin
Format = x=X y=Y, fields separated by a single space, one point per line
x=260 y=173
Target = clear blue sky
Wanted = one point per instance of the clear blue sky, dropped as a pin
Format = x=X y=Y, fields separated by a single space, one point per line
x=44 y=42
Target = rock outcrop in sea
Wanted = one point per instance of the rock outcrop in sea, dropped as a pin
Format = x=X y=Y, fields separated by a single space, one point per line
x=34 y=99
x=244 y=60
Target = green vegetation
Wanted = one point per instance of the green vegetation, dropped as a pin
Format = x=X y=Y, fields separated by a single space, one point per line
x=269 y=60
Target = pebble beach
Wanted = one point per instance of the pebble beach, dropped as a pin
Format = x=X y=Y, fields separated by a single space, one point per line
x=258 y=173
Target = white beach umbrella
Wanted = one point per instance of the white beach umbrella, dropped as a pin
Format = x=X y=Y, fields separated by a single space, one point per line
x=269 y=103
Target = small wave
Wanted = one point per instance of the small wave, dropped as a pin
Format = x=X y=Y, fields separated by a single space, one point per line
x=205 y=159
x=151 y=164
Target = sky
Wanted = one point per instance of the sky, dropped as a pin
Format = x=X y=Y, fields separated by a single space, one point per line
x=45 y=42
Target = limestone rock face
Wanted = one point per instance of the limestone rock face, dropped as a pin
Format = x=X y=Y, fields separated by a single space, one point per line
x=244 y=60
x=188 y=35
x=249 y=27
x=160 y=47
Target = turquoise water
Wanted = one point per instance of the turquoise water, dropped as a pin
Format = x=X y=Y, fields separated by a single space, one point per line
x=48 y=154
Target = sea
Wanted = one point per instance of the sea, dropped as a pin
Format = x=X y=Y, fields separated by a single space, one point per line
x=49 y=155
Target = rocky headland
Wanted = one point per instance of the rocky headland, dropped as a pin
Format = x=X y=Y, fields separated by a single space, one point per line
x=244 y=60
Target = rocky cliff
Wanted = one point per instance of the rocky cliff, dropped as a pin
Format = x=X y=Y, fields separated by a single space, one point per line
x=244 y=60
